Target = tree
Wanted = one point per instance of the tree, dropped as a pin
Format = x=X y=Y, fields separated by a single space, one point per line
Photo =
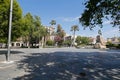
x=33 y=30
x=60 y=33
x=28 y=28
x=82 y=40
x=59 y=28
x=99 y=32
x=49 y=43
x=119 y=39
x=96 y=10
x=44 y=34
x=67 y=43
x=58 y=40
x=38 y=33
x=16 y=20
x=74 y=28
x=53 y=22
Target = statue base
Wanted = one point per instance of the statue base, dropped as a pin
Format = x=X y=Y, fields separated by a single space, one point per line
x=99 y=46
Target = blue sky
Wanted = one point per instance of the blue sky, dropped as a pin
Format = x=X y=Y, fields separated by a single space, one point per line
x=66 y=13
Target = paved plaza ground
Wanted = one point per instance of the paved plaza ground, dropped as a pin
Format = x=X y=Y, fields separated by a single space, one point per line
x=60 y=64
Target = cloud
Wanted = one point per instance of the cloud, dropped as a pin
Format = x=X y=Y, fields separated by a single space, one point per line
x=69 y=19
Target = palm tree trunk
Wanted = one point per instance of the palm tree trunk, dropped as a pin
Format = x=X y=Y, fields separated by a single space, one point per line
x=74 y=38
x=44 y=40
x=28 y=41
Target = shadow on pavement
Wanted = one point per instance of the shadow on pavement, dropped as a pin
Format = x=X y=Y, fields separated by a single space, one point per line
x=3 y=52
x=113 y=50
x=71 y=66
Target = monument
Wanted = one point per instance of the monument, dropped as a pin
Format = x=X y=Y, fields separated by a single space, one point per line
x=100 y=43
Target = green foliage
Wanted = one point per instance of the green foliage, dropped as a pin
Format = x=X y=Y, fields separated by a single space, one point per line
x=59 y=28
x=96 y=10
x=119 y=39
x=38 y=28
x=60 y=32
x=67 y=43
x=82 y=40
x=74 y=28
x=4 y=19
x=33 y=30
x=53 y=22
x=111 y=45
x=50 y=43
x=43 y=31
x=118 y=46
x=99 y=32
x=28 y=27
x=59 y=38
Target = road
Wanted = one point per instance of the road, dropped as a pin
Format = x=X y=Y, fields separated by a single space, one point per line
x=60 y=64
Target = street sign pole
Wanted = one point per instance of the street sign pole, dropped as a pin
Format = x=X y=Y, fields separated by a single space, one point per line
x=9 y=34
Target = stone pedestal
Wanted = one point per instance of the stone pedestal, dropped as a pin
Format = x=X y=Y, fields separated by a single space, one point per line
x=99 y=46
x=100 y=43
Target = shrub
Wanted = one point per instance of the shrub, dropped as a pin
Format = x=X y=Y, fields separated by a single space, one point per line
x=50 y=43
x=118 y=46
x=111 y=45
x=67 y=43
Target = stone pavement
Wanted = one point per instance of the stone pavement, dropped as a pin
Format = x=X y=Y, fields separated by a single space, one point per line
x=61 y=64
x=8 y=70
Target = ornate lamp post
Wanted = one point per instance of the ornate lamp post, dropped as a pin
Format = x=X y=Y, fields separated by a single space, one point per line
x=9 y=35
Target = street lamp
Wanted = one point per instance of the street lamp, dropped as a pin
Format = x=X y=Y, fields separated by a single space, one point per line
x=9 y=35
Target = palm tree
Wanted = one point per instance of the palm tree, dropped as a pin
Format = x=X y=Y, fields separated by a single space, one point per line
x=99 y=32
x=45 y=36
x=74 y=28
x=53 y=22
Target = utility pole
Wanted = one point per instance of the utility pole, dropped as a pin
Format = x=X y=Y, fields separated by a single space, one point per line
x=9 y=35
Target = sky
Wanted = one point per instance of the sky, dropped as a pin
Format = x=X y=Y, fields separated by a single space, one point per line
x=66 y=13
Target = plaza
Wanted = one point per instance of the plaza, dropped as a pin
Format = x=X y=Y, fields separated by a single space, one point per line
x=60 y=64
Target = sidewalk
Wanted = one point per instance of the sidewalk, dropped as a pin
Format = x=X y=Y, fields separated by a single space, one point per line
x=5 y=64
x=9 y=70
x=12 y=60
